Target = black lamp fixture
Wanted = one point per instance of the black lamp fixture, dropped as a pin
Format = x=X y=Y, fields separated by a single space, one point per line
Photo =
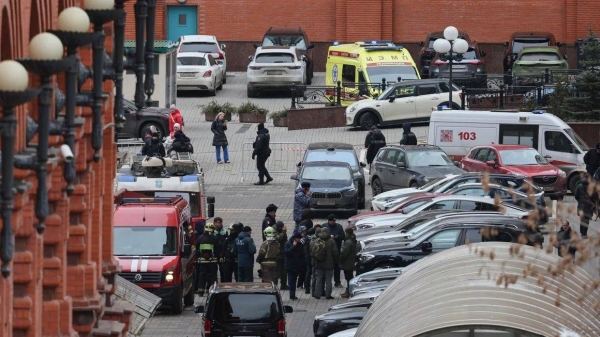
x=46 y=60
x=150 y=23
x=100 y=12
x=13 y=92
x=453 y=47
x=73 y=26
x=119 y=52
x=141 y=13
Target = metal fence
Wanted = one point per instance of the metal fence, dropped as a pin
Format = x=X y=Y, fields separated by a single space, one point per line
x=145 y=303
x=284 y=158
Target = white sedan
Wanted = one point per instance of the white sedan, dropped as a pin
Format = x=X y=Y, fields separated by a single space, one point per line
x=383 y=200
x=199 y=71
x=276 y=67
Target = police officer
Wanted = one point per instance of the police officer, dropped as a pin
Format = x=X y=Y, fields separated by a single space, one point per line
x=206 y=266
x=227 y=253
x=221 y=234
x=269 y=220
x=267 y=256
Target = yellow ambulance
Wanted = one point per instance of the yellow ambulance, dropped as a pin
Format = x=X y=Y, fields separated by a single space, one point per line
x=362 y=66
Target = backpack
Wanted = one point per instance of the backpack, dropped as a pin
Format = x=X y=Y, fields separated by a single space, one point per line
x=273 y=249
x=319 y=251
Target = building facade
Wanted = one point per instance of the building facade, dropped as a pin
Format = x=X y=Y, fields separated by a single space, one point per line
x=61 y=282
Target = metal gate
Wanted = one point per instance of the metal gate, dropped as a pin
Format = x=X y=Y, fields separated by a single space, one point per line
x=283 y=160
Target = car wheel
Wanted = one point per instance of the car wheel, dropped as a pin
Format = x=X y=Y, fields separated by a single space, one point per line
x=177 y=307
x=161 y=132
x=213 y=92
x=189 y=298
x=414 y=184
x=225 y=78
x=573 y=181
x=384 y=266
x=251 y=93
x=367 y=120
x=376 y=186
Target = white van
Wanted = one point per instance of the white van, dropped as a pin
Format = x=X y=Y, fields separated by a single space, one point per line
x=457 y=131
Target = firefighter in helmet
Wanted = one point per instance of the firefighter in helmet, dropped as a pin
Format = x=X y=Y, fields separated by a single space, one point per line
x=207 y=246
x=267 y=256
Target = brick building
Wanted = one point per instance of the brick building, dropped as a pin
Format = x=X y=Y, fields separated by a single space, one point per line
x=62 y=281
x=239 y=23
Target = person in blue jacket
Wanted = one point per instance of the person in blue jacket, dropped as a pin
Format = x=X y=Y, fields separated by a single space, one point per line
x=245 y=250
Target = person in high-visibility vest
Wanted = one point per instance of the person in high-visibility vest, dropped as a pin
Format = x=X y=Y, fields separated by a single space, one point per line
x=268 y=255
x=208 y=249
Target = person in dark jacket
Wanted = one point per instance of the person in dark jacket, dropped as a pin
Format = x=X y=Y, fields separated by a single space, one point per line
x=269 y=219
x=408 y=137
x=302 y=196
x=563 y=237
x=261 y=152
x=295 y=261
x=153 y=147
x=376 y=142
x=281 y=237
x=347 y=258
x=221 y=234
x=245 y=250
x=208 y=249
x=313 y=236
x=592 y=160
x=230 y=265
x=324 y=269
x=304 y=221
x=337 y=234
x=218 y=127
x=148 y=131
x=181 y=143
x=584 y=205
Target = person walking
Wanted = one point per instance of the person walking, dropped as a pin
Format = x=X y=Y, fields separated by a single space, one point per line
x=563 y=238
x=221 y=234
x=268 y=255
x=230 y=265
x=245 y=250
x=261 y=152
x=408 y=137
x=153 y=147
x=208 y=249
x=174 y=118
x=592 y=160
x=325 y=253
x=302 y=197
x=218 y=128
x=337 y=234
x=584 y=205
x=294 y=259
x=269 y=219
x=376 y=142
x=347 y=259
x=281 y=237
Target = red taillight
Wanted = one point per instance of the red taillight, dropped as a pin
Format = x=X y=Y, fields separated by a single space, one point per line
x=207 y=326
x=476 y=63
x=439 y=63
x=281 y=327
x=294 y=67
x=208 y=73
x=220 y=56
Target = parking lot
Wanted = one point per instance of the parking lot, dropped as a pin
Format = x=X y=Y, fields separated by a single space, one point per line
x=238 y=199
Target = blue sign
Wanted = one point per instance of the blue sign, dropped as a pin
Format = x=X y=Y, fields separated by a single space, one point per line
x=158 y=184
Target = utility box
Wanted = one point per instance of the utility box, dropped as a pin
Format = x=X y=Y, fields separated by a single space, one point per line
x=165 y=74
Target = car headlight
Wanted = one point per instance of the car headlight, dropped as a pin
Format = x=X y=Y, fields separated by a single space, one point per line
x=562 y=173
x=365 y=257
x=169 y=277
x=349 y=192
x=352 y=108
x=365 y=226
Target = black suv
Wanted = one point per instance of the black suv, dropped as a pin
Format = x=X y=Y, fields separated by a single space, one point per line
x=338 y=152
x=409 y=166
x=243 y=309
x=138 y=120
x=293 y=37
x=449 y=232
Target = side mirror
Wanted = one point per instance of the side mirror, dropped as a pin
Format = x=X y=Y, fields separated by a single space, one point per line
x=401 y=164
x=505 y=44
x=251 y=57
x=294 y=177
x=491 y=163
x=211 y=210
x=310 y=46
x=187 y=250
x=422 y=44
x=299 y=164
x=288 y=309
x=547 y=157
x=427 y=247
x=392 y=98
x=456 y=163
x=256 y=45
x=223 y=46
x=199 y=309
x=559 y=44
x=362 y=164
x=566 y=57
x=482 y=53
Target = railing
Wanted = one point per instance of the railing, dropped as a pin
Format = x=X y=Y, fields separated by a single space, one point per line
x=283 y=159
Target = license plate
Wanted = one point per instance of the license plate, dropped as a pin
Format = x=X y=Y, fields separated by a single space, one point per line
x=548 y=188
x=325 y=203
x=459 y=66
x=187 y=74
x=273 y=72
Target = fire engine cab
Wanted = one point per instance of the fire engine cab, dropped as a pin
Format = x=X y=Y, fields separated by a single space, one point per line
x=153 y=242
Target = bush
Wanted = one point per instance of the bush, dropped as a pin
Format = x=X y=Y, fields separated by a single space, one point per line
x=212 y=108
x=228 y=108
x=250 y=108
x=279 y=114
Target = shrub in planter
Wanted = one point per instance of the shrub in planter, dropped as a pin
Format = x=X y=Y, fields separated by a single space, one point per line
x=280 y=118
x=252 y=113
x=212 y=109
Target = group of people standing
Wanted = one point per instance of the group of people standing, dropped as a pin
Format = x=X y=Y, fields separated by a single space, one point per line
x=177 y=141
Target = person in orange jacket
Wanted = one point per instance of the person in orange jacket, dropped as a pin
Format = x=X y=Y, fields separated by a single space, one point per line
x=174 y=118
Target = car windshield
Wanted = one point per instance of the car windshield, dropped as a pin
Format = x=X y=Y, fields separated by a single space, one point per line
x=433 y=183
x=199 y=47
x=337 y=173
x=575 y=137
x=409 y=224
x=540 y=56
x=414 y=204
x=145 y=241
x=428 y=158
x=274 y=58
x=521 y=157
x=444 y=87
x=420 y=228
x=391 y=73
x=245 y=308
x=337 y=155
x=285 y=40
x=191 y=61
x=518 y=45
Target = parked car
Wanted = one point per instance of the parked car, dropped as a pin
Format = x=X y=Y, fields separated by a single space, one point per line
x=371 y=287
x=409 y=166
x=466 y=68
x=205 y=44
x=403 y=253
x=517 y=159
x=338 y=320
x=136 y=121
x=533 y=61
x=404 y=205
x=276 y=68
x=246 y=308
x=427 y=51
x=345 y=333
x=407 y=101
x=292 y=37
x=199 y=71
x=520 y=40
x=449 y=202
x=362 y=303
x=378 y=201
x=332 y=185
x=374 y=276
x=338 y=152
x=504 y=193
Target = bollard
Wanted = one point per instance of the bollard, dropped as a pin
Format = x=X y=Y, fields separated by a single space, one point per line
x=463 y=98
x=501 y=103
x=383 y=84
x=339 y=93
x=293 y=89
x=539 y=95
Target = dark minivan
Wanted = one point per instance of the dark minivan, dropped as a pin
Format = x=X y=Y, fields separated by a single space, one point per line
x=243 y=309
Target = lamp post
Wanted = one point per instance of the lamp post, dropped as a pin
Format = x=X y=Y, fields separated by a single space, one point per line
x=13 y=92
x=450 y=44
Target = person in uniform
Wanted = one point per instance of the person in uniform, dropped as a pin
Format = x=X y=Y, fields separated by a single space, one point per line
x=268 y=255
x=221 y=234
x=230 y=265
x=281 y=237
x=207 y=247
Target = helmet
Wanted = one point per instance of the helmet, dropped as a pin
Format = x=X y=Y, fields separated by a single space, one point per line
x=269 y=232
x=210 y=227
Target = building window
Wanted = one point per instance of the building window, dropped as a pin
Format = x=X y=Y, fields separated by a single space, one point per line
x=182 y=19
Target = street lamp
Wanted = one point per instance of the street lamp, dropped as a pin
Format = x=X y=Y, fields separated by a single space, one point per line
x=450 y=44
